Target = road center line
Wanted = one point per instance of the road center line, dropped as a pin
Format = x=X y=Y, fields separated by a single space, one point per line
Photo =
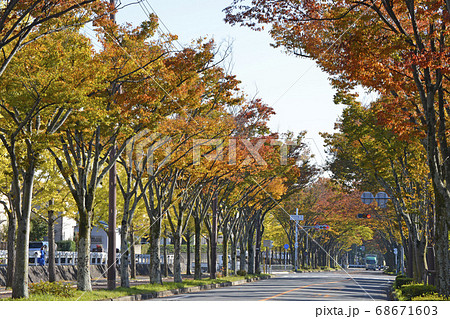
x=321 y=283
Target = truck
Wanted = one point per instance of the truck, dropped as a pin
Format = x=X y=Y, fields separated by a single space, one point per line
x=371 y=262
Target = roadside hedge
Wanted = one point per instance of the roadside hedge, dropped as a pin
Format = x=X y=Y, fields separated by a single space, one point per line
x=416 y=290
x=401 y=280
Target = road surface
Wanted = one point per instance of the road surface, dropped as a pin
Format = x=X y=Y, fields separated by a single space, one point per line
x=324 y=286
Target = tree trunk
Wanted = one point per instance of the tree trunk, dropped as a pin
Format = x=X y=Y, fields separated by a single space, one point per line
x=208 y=255
x=233 y=255
x=242 y=257
x=11 y=248
x=155 y=261
x=198 y=250
x=225 y=255
x=437 y=156
x=431 y=266
x=124 y=255
x=251 y=253
x=133 y=255
x=188 y=253
x=441 y=245
x=166 y=266
x=177 y=257
x=84 y=245
x=410 y=257
x=259 y=232
x=421 y=262
x=20 y=282
x=51 y=247
x=251 y=250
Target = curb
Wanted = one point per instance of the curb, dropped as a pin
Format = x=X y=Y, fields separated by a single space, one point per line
x=186 y=290
x=316 y=270
x=391 y=294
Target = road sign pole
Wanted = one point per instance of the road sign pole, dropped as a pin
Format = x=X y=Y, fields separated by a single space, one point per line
x=402 y=265
x=296 y=241
x=395 y=259
x=285 y=263
x=270 y=260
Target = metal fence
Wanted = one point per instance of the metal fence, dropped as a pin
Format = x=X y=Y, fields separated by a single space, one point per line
x=71 y=257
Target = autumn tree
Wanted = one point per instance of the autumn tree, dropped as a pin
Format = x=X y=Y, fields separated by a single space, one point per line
x=22 y=22
x=51 y=201
x=135 y=90
x=396 y=48
x=38 y=93
x=395 y=164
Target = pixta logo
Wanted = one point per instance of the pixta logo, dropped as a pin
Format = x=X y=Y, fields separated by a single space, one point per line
x=141 y=149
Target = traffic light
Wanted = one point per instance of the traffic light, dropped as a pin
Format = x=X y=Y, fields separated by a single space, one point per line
x=367 y=216
x=326 y=227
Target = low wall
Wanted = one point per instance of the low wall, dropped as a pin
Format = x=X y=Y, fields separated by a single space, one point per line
x=68 y=273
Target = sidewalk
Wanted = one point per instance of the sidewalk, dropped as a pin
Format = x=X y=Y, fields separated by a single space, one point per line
x=102 y=283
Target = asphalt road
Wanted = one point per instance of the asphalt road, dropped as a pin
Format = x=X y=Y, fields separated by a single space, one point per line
x=324 y=286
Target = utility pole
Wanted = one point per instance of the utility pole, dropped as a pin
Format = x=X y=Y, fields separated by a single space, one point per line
x=213 y=265
x=111 y=274
x=112 y=225
x=306 y=251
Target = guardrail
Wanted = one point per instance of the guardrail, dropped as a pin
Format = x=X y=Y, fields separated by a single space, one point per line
x=356 y=266
x=145 y=259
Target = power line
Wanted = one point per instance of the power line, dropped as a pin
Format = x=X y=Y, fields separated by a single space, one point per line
x=162 y=22
x=147 y=13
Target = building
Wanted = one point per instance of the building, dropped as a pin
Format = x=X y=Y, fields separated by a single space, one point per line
x=64 y=228
x=99 y=237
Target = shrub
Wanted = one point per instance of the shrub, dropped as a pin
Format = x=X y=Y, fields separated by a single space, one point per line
x=59 y=289
x=241 y=273
x=430 y=297
x=402 y=280
x=66 y=245
x=389 y=270
x=416 y=290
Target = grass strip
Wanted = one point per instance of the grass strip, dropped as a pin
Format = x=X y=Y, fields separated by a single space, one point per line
x=104 y=294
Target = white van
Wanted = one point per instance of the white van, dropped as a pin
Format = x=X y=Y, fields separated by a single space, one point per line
x=34 y=249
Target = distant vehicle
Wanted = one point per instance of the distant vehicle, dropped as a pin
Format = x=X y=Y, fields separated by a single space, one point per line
x=371 y=262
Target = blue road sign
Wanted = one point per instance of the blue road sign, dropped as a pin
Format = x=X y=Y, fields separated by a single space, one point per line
x=286 y=246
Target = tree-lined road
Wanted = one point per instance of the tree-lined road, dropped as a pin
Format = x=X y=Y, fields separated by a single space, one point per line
x=326 y=286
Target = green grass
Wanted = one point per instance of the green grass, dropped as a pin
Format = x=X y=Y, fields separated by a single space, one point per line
x=135 y=290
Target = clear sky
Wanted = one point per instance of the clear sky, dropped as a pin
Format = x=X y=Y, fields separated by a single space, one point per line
x=296 y=88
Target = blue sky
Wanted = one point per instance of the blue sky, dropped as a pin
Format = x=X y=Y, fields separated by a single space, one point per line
x=296 y=88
